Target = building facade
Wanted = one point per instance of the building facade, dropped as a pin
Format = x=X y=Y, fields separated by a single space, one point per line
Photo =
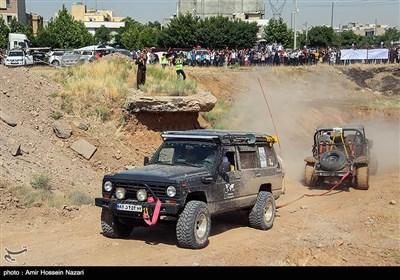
x=13 y=8
x=367 y=30
x=243 y=9
x=93 y=19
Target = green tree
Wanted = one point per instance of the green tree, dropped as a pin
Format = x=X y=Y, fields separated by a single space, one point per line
x=148 y=37
x=16 y=26
x=348 y=38
x=155 y=24
x=321 y=36
x=391 y=35
x=102 y=35
x=4 y=30
x=220 y=32
x=66 y=32
x=182 y=32
x=128 y=35
x=277 y=31
x=43 y=38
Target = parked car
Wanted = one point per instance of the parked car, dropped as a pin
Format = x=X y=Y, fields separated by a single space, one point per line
x=39 y=58
x=63 y=57
x=18 y=57
x=124 y=52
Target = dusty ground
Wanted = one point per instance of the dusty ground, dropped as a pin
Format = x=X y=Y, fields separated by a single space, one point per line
x=347 y=227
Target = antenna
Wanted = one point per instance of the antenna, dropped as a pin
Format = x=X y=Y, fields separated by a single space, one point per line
x=276 y=9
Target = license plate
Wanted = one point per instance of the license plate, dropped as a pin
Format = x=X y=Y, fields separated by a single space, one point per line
x=129 y=207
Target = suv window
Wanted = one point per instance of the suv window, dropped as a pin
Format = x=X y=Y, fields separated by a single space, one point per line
x=248 y=159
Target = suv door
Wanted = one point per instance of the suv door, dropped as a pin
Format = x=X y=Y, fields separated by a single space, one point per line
x=228 y=184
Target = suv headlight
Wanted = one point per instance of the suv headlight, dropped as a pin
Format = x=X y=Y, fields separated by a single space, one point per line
x=120 y=193
x=107 y=186
x=141 y=195
x=171 y=191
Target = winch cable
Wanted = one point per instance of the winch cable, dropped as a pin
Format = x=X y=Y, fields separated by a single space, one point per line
x=276 y=132
x=270 y=113
x=319 y=194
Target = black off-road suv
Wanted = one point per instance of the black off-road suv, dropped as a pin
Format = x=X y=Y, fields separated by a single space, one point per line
x=337 y=151
x=193 y=175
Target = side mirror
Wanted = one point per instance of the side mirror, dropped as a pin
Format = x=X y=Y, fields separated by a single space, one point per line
x=146 y=160
x=225 y=167
x=207 y=179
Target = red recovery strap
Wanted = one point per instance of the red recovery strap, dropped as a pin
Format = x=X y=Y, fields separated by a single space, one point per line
x=320 y=194
x=146 y=216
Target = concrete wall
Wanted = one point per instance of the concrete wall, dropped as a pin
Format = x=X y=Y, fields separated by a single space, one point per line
x=21 y=6
x=208 y=8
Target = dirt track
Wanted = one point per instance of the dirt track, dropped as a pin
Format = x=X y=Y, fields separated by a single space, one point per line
x=346 y=227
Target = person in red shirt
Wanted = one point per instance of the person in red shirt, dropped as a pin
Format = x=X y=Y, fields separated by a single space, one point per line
x=99 y=55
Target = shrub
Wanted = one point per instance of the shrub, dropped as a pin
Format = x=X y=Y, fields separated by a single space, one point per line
x=41 y=181
x=56 y=115
x=80 y=198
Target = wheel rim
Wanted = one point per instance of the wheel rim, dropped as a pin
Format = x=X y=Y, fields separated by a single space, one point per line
x=268 y=211
x=201 y=225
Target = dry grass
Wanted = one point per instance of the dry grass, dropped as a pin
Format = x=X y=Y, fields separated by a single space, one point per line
x=98 y=90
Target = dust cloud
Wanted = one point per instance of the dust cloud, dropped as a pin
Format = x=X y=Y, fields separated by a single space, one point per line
x=385 y=146
x=298 y=106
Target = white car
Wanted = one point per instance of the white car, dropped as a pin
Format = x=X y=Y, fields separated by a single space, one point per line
x=64 y=57
x=18 y=58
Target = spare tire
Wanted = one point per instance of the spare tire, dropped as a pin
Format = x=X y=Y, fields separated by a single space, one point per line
x=333 y=160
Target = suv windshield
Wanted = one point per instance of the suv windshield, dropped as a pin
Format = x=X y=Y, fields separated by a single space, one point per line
x=184 y=153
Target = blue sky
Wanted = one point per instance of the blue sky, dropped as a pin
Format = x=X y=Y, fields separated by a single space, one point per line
x=314 y=12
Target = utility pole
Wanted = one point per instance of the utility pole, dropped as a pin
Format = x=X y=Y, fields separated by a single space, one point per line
x=333 y=5
x=306 y=32
x=294 y=25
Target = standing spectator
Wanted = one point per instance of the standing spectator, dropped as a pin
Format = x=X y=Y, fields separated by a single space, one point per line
x=99 y=55
x=141 y=72
x=179 y=66
x=163 y=61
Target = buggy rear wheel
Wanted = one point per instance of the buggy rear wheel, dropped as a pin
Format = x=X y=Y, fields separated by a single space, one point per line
x=362 y=177
x=309 y=178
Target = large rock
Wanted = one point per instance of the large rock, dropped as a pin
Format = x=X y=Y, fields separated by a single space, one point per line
x=62 y=129
x=201 y=102
x=84 y=148
x=7 y=119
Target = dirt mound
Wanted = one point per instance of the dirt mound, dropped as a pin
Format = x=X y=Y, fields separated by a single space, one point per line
x=348 y=227
x=381 y=79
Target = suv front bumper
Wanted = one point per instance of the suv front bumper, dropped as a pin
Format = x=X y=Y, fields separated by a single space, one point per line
x=167 y=209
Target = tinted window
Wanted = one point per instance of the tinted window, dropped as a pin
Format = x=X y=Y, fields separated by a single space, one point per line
x=248 y=159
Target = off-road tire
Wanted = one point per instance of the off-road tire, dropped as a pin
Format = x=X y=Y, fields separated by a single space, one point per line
x=333 y=160
x=112 y=227
x=194 y=225
x=262 y=215
x=309 y=172
x=362 y=177
x=55 y=63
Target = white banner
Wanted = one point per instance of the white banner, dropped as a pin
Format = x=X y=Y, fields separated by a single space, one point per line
x=350 y=54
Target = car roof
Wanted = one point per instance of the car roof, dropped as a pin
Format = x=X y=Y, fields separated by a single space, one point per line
x=225 y=136
x=352 y=127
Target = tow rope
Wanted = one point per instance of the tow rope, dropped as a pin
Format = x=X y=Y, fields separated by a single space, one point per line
x=146 y=216
x=320 y=194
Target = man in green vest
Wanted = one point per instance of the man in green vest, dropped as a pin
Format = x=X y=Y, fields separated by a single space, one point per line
x=164 y=61
x=179 y=66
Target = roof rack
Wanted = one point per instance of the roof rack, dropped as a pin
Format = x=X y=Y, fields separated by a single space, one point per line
x=223 y=136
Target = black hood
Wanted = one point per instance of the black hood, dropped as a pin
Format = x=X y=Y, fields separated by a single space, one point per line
x=160 y=173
